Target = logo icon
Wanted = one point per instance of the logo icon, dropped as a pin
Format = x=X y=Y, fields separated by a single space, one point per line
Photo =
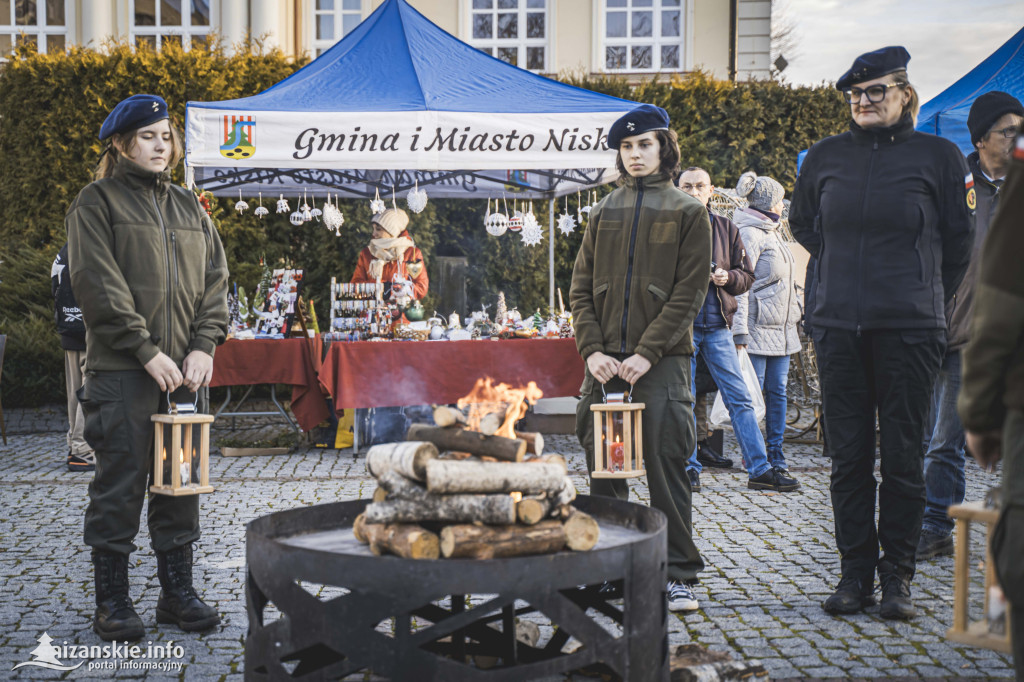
x=239 y=135
x=630 y=125
x=45 y=656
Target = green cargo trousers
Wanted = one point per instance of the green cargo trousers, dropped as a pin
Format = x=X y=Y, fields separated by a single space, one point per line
x=1008 y=538
x=668 y=439
x=117 y=408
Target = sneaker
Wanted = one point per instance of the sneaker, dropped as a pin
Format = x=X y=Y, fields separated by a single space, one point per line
x=774 y=479
x=709 y=457
x=85 y=462
x=933 y=544
x=851 y=596
x=694 y=480
x=896 y=603
x=681 y=597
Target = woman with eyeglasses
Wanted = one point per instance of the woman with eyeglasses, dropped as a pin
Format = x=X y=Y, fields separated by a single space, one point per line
x=889 y=214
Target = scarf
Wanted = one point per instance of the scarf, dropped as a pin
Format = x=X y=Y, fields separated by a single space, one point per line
x=387 y=250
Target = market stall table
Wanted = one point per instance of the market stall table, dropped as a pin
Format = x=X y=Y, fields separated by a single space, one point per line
x=365 y=374
x=273 y=361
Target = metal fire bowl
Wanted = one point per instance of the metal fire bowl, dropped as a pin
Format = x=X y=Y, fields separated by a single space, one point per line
x=341 y=610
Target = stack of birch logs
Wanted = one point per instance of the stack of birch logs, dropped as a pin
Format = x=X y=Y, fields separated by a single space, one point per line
x=447 y=491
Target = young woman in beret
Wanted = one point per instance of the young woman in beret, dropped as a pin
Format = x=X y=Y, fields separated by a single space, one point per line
x=149 y=272
x=639 y=279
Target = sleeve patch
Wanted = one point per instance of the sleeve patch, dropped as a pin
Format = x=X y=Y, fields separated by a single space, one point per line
x=969 y=181
x=972 y=199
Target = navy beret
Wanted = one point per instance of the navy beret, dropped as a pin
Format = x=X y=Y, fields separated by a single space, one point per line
x=644 y=118
x=988 y=109
x=871 y=65
x=138 y=111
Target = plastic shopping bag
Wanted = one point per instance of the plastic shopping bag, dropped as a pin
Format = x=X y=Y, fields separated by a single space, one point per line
x=719 y=413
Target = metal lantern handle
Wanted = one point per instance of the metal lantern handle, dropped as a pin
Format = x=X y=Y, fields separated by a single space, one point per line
x=181 y=408
x=623 y=397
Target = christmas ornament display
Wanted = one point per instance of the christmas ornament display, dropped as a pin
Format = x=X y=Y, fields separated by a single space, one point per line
x=566 y=223
x=240 y=205
x=416 y=199
x=333 y=217
x=495 y=223
x=307 y=212
x=377 y=204
x=282 y=205
x=316 y=211
x=261 y=210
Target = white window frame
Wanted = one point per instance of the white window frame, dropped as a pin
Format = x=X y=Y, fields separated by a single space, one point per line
x=521 y=44
x=185 y=31
x=656 y=41
x=317 y=47
x=39 y=30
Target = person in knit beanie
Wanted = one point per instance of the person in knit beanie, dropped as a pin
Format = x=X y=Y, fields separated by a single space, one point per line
x=392 y=258
x=760 y=191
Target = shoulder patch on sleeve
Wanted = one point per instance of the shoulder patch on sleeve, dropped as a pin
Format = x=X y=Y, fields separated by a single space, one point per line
x=972 y=199
x=1018 y=150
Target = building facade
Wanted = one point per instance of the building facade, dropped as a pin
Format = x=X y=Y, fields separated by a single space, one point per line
x=634 y=38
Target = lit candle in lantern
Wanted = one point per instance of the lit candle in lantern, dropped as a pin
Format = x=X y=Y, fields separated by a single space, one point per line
x=186 y=468
x=616 y=454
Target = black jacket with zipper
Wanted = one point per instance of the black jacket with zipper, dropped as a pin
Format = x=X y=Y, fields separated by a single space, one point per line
x=887 y=214
x=148 y=270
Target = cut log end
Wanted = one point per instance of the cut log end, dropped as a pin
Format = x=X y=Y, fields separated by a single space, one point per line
x=581 y=531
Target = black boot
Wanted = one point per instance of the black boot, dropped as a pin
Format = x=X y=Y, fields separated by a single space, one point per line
x=178 y=602
x=851 y=596
x=115 y=617
x=896 y=603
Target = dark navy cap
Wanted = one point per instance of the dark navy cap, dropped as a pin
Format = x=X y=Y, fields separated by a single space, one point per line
x=871 y=65
x=644 y=118
x=138 y=111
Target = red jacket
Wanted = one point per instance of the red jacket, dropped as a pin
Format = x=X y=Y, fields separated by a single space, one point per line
x=412 y=261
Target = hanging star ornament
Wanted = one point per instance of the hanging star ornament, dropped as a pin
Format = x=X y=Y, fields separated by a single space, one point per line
x=566 y=224
x=532 y=235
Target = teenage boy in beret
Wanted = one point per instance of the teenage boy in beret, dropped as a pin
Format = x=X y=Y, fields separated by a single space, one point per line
x=993 y=122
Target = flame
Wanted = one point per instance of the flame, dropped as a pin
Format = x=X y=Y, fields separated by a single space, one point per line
x=487 y=397
x=516 y=496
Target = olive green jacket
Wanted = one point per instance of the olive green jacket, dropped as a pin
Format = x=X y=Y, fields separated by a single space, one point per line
x=147 y=269
x=642 y=271
x=993 y=360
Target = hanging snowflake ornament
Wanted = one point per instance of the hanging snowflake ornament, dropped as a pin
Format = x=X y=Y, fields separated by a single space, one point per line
x=495 y=223
x=241 y=206
x=282 y=205
x=377 y=205
x=532 y=236
x=333 y=217
x=566 y=223
x=261 y=210
x=416 y=199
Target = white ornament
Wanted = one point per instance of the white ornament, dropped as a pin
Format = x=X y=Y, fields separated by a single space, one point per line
x=241 y=206
x=495 y=223
x=261 y=210
x=532 y=236
x=282 y=205
x=316 y=211
x=333 y=217
x=515 y=223
x=530 y=221
x=296 y=218
x=416 y=199
x=377 y=205
x=566 y=223
x=307 y=213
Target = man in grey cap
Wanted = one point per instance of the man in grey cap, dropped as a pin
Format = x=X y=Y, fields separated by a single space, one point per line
x=993 y=122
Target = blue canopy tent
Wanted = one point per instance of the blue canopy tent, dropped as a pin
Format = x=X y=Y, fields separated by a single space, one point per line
x=397 y=103
x=946 y=113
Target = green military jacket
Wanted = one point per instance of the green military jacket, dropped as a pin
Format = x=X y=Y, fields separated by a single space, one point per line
x=642 y=271
x=147 y=269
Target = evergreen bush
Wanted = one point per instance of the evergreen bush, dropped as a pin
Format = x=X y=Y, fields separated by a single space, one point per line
x=51 y=108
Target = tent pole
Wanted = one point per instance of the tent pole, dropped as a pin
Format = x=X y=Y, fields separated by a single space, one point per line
x=551 y=253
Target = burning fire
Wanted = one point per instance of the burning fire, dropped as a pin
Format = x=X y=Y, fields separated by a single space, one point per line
x=486 y=397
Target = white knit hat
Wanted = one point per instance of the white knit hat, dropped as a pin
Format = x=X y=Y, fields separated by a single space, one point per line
x=761 y=192
x=393 y=221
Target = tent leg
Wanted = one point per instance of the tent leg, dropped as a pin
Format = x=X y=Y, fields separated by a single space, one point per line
x=551 y=254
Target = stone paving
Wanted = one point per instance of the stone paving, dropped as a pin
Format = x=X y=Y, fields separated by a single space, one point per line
x=770 y=557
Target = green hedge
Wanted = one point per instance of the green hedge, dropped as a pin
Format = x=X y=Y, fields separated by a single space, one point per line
x=51 y=108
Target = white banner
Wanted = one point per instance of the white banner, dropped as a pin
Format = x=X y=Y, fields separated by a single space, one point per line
x=422 y=140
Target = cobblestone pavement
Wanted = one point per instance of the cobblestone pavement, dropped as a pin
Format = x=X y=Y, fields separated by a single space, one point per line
x=771 y=561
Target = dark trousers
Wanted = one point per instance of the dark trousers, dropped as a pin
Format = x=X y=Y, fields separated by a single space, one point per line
x=891 y=373
x=117 y=408
x=668 y=440
x=1008 y=539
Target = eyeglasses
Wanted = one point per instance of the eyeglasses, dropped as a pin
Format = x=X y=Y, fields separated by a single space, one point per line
x=1008 y=133
x=699 y=187
x=875 y=93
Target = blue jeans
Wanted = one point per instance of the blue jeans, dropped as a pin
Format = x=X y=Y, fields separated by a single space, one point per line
x=719 y=352
x=773 y=373
x=944 y=480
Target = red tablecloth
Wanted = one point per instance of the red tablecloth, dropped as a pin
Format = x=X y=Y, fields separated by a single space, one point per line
x=369 y=374
x=274 y=361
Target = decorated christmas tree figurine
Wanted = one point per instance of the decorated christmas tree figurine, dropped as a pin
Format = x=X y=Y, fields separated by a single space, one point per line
x=538 y=320
x=502 y=311
x=244 y=311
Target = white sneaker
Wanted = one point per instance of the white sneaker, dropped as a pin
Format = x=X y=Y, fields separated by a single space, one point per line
x=681 y=597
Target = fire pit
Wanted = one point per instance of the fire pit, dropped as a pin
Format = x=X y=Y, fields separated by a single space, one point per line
x=341 y=610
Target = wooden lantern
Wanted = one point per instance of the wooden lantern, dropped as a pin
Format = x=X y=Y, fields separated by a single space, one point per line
x=979 y=632
x=181 y=452
x=618 y=437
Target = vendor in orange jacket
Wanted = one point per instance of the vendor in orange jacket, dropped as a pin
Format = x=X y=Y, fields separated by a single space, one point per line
x=392 y=258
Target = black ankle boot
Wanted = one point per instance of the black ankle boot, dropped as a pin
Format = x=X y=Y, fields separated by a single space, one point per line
x=115 y=617
x=178 y=602
x=896 y=602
